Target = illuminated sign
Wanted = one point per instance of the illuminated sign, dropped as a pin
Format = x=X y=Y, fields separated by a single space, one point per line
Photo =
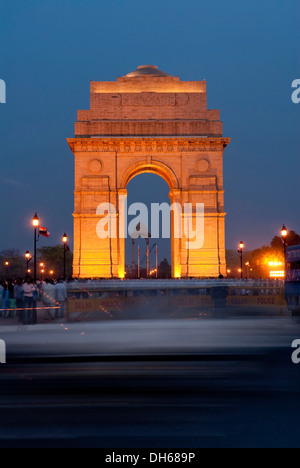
x=277 y=274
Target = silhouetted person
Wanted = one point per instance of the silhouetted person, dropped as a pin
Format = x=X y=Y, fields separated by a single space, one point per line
x=28 y=289
x=61 y=298
x=219 y=295
x=49 y=299
x=19 y=296
x=8 y=297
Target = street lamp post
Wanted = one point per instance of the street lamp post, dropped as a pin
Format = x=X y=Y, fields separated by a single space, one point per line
x=65 y=240
x=28 y=258
x=248 y=269
x=42 y=265
x=240 y=251
x=35 y=223
x=6 y=270
x=284 y=234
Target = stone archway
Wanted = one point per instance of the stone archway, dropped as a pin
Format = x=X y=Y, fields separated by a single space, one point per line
x=153 y=167
x=150 y=122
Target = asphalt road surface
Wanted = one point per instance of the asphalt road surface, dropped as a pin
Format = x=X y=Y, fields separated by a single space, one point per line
x=156 y=384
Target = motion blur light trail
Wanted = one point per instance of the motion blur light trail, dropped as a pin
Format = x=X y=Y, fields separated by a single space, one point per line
x=181 y=383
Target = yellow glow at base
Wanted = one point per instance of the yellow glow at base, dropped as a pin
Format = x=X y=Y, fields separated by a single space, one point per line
x=121 y=273
x=277 y=274
x=177 y=273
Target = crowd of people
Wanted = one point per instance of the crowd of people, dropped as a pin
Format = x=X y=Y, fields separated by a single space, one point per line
x=19 y=299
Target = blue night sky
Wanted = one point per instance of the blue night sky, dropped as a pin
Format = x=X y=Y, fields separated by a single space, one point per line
x=247 y=51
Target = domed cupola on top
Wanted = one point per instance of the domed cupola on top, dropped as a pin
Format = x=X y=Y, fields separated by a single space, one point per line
x=147 y=70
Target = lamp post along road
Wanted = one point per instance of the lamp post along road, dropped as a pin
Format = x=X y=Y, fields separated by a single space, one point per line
x=6 y=270
x=35 y=223
x=240 y=251
x=284 y=234
x=42 y=266
x=28 y=258
x=65 y=241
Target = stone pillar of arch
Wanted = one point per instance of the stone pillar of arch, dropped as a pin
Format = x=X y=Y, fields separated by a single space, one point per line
x=148 y=122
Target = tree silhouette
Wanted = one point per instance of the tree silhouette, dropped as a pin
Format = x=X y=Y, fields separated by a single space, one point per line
x=164 y=269
x=292 y=239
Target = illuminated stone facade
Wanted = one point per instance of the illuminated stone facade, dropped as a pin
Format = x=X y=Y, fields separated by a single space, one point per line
x=148 y=122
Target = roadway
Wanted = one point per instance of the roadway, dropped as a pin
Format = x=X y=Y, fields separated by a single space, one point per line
x=151 y=384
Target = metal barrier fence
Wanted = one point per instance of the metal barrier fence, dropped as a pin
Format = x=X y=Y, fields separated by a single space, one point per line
x=144 y=298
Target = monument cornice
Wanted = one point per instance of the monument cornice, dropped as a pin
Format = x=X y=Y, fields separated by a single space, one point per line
x=148 y=144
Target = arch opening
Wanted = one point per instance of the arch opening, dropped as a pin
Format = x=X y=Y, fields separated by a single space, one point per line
x=156 y=168
x=148 y=246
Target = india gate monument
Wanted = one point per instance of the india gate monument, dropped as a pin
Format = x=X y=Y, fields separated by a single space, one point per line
x=148 y=122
